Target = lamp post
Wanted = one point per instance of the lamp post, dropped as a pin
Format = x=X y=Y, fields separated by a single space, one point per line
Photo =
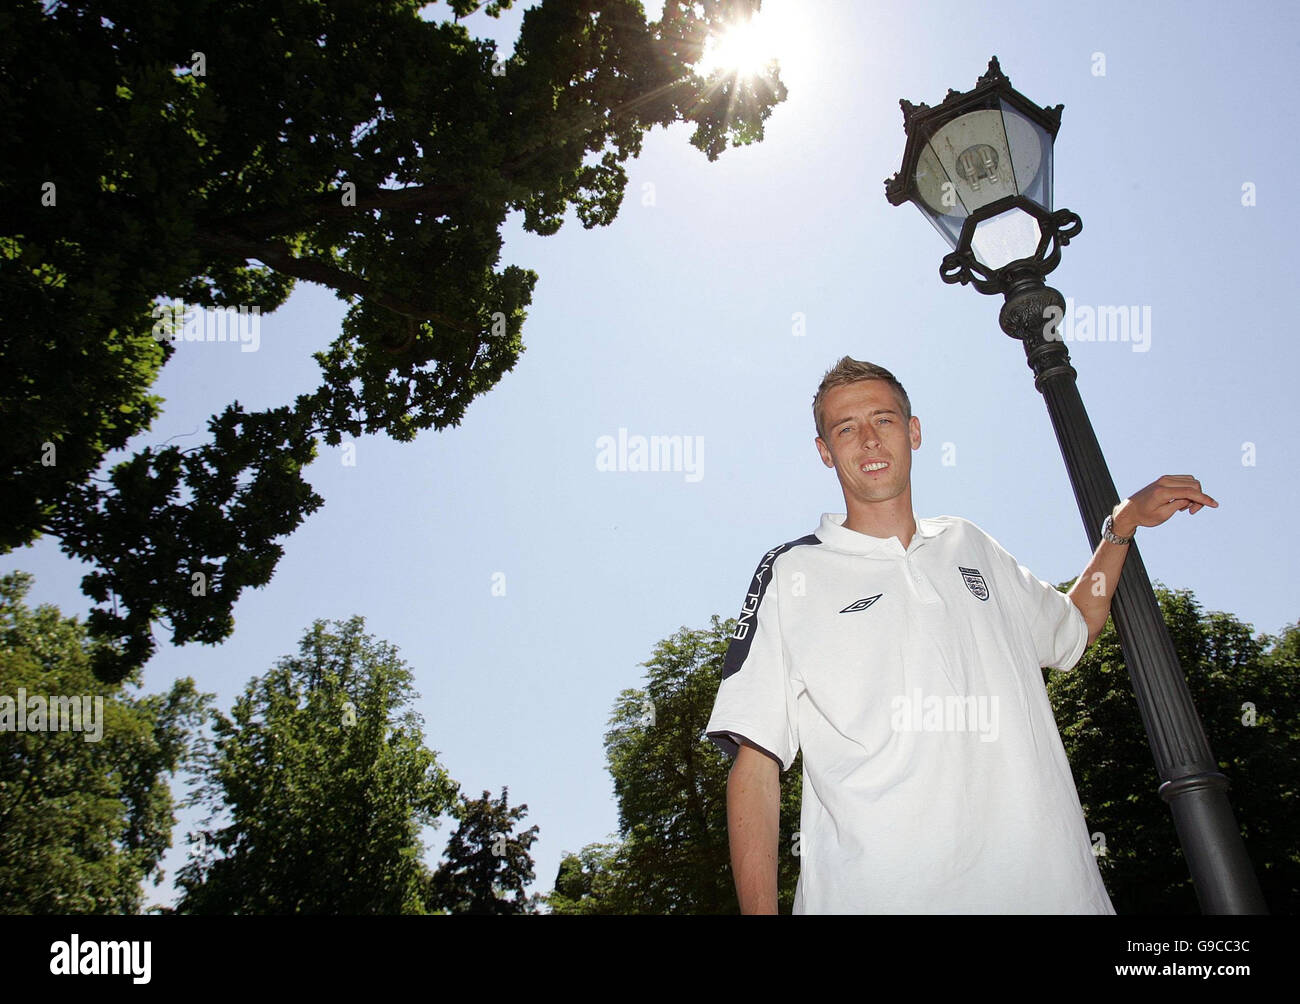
x=979 y=167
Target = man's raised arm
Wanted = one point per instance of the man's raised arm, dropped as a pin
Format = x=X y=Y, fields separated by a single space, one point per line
x=1150 y=507
x=753 y=820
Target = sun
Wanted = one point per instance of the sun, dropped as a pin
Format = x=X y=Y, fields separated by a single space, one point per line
x=744 y=49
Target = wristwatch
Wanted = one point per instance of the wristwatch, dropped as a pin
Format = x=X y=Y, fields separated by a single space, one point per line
x=1108 y=532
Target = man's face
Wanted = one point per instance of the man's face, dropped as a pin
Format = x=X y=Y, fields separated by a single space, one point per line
x=865 y=430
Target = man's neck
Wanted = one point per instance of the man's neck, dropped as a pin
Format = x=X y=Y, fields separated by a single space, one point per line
x=883 y=519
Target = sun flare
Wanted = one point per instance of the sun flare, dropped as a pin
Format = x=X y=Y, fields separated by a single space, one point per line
x=744 y=49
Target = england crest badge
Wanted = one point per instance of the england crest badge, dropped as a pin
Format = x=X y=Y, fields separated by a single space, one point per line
x=974 y=582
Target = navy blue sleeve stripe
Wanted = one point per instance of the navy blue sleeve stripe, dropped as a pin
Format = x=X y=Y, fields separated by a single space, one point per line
x=747 y=623
x=729 y=743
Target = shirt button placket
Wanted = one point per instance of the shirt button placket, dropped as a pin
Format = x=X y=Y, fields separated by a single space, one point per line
x=920 y=585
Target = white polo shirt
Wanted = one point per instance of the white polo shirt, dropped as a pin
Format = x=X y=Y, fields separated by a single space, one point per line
x=934 y=779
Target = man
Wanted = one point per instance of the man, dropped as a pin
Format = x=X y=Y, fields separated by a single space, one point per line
x=903 y=656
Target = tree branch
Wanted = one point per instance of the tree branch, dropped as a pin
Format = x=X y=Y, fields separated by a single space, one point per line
x=280 y=258
x=436 y=199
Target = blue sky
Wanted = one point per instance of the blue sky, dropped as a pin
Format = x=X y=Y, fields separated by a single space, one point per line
x=681 y=319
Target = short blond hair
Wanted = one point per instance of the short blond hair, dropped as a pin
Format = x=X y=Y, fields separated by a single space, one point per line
x=849 y=370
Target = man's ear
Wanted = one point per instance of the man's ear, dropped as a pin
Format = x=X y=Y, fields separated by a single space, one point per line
x=914 y=432
x=825 y=453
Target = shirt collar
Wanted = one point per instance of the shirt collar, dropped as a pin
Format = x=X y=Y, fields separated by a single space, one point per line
x=833 y=532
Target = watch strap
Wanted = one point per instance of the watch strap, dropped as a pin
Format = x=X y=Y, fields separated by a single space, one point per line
x=1108 y=532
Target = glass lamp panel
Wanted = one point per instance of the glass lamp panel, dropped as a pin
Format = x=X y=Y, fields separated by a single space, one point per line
x=946 y=212
x=1005 y=238
x=974 y=164
x=1031 y=156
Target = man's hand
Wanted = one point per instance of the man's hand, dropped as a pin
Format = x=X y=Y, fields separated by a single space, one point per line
x=1158 y=501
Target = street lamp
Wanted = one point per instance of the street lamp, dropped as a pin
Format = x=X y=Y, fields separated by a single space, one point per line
x=979 y=167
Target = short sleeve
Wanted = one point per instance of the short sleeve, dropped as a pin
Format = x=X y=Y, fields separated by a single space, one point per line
x=755 y=700
x=1057 y=627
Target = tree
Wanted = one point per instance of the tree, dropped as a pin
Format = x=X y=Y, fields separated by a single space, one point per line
x=486 y=864
x=326 y=781
x=670 y=781
x=85 y=816
x=1247 y=693
x=215 y=154
x=591 y=882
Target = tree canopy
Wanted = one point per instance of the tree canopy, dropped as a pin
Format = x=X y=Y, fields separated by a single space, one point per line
x=323 y=783
x=670 y=781
x=215 y=154
x=85 y=816
x=486 y=863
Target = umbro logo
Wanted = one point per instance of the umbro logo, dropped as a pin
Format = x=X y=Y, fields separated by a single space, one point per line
x=862 y=604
